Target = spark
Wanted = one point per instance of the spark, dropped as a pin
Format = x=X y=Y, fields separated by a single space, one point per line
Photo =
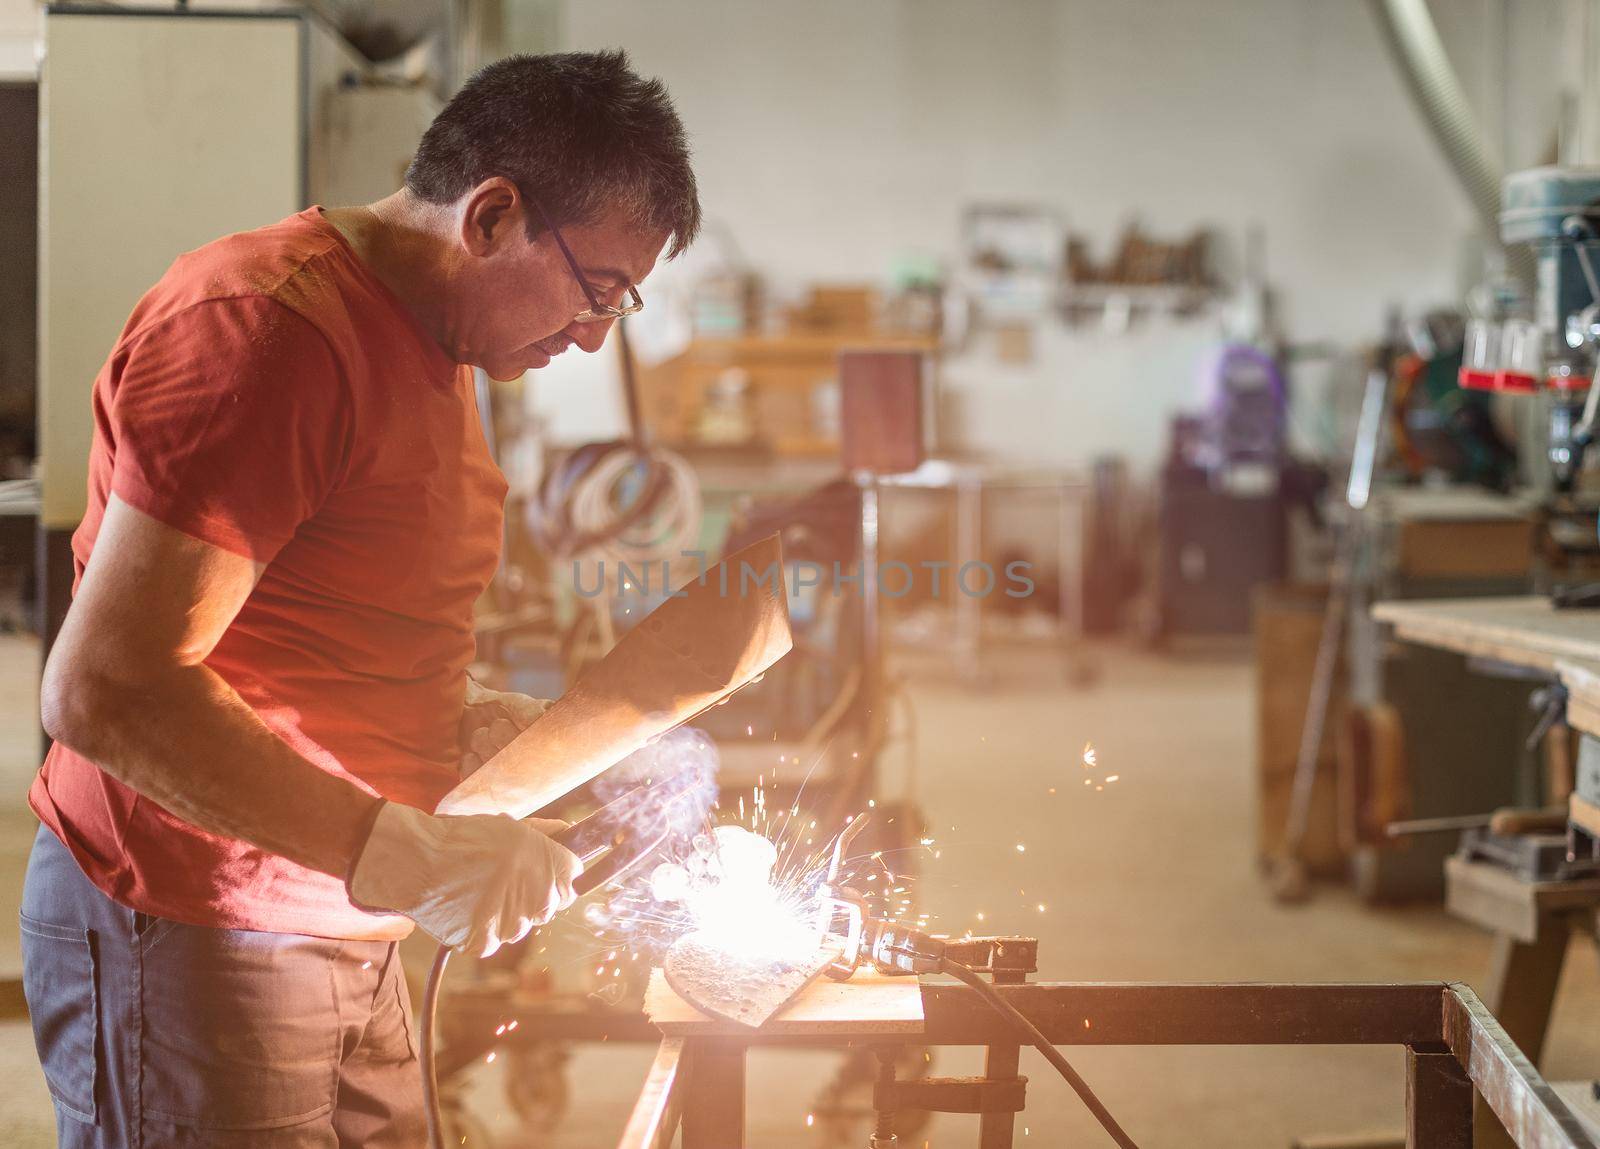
x=1041 y=907
x=811 y=1119
x=500 y=1030
x=510 y=1027
x=366 y=965
x=1112 y=778
x=1090 y=758
x=490 y=1059
x=1086 y=1023
x=1021 y=849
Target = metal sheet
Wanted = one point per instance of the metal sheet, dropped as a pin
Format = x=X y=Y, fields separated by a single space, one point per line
x=723 y=631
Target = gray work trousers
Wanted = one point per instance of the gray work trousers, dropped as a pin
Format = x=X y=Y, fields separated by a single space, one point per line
x=156 y=1034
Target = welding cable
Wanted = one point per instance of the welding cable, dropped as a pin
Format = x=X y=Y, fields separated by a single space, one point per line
x=1010 y=1012
x=598 y=510
x=428 y=1047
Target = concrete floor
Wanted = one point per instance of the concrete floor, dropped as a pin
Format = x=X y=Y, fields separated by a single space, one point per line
x=1152 y=878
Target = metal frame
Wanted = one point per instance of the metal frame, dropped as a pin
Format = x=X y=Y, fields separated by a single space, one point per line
x=1454 y=1048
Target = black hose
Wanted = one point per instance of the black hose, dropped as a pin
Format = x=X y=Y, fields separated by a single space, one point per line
x=428 y=1027
x=1053 y=1055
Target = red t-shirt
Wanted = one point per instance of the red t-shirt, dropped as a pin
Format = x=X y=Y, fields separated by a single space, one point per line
x=271 y=397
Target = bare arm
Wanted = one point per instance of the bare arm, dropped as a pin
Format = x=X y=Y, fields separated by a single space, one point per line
x=125 y=686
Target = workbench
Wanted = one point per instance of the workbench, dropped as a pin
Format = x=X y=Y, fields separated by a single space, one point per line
x=1455 y=1048
x=1532 y=922
x=1524 y=631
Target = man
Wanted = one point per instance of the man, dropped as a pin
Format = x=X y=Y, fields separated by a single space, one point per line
x=261 y=685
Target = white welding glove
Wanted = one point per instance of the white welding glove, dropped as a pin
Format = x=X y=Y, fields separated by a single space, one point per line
x=490 y=720
x=474 y=882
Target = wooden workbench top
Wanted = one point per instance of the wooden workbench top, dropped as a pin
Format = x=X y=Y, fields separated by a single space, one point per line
x=1525 y=631
x=868 y=1003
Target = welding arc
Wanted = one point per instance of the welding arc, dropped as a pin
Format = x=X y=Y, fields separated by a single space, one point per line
x=428 y=1024
x=1053 y=1055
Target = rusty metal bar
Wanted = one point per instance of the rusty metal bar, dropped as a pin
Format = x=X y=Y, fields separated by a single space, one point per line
x=654 y=1120
x=1529 y=1109
x=1225 y=1014
x=1438 y=1100
x=998 y=1129
x=713 y=1094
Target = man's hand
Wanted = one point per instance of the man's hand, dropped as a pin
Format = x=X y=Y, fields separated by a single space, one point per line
x=491 y=719
x=475 y=882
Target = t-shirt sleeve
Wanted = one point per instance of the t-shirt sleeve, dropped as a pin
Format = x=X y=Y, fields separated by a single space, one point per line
x=230 y=422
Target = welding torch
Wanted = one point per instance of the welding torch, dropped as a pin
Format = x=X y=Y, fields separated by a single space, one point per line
x=897 y=950
x=612 y=843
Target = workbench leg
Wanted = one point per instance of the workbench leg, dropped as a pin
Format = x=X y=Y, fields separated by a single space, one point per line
x=1522 y=983
x=1000 y=1063
x=713 y=1102
x=1439 y=1098
x=996 y=1130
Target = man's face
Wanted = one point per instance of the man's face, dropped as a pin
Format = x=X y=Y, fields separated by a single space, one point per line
x=513 y=300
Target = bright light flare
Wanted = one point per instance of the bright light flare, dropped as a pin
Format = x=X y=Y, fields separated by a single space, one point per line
x=726 y=887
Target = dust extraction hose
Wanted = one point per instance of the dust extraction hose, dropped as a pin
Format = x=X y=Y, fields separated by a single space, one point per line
x=1419 y=54
x=1043 y=1044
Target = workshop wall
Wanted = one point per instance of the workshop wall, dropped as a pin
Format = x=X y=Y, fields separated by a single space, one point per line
x=1287 y=116
x=19 y=30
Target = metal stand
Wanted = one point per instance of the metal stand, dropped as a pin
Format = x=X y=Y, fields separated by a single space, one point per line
x=1455 y=1049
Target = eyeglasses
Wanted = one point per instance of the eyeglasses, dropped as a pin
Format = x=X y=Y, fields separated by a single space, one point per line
x=598 y=312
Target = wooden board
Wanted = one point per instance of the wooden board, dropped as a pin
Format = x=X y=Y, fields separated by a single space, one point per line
x=1498 y=900
x=1451 y=505
x=1526 y=631
x=868 y=1003
x=1582 y=680
x=1465 y=549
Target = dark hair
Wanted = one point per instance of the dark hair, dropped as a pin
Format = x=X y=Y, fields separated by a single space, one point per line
x=578 y=132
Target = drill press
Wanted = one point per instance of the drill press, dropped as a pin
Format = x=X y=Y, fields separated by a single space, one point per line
x=1553 y=350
